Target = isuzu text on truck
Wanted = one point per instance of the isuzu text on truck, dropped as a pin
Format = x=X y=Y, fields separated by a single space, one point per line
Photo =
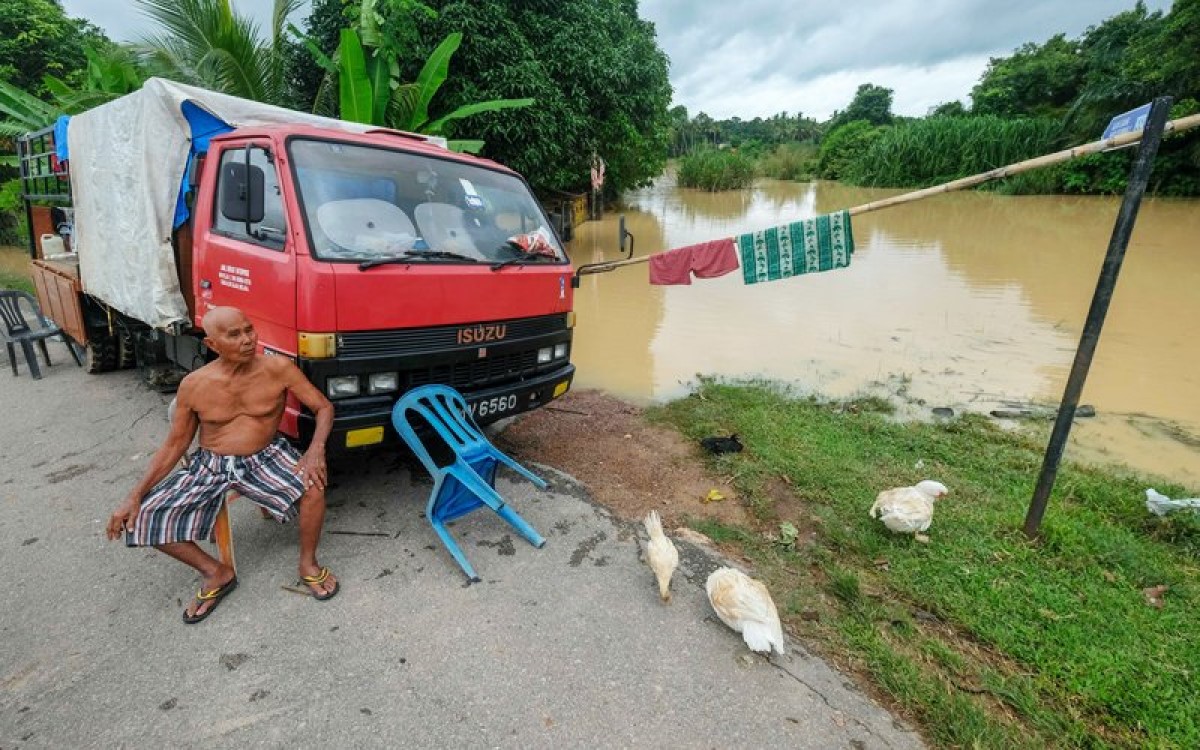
x=377 y=260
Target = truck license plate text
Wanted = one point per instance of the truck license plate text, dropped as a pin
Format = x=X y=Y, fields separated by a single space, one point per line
x=494 y=405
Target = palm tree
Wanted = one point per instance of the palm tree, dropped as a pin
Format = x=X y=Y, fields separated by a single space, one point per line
x=206 y=43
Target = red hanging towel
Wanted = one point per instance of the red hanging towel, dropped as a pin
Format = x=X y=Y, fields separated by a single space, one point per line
x=707 y=260
x=713 y=259
x=671 y=267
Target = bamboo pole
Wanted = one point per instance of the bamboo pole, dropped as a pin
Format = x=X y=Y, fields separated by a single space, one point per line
x=1095 y=147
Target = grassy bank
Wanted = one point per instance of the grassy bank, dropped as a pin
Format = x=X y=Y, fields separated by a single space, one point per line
x=15 y=281
x=984 y=638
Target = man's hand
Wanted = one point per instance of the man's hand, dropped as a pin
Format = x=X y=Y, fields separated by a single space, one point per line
x=311 y=468
x=123 y=517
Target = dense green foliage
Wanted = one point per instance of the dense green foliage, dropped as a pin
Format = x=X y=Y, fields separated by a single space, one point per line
x=990 y=640
x=1036 y=80
x=594 y=68
x=713 y=169
x=368 y=91
x=304 y=75
x=842 y=147
x=37 y=39
x=870 y=103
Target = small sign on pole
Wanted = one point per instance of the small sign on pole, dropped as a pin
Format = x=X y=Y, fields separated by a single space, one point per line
x=1128 y=122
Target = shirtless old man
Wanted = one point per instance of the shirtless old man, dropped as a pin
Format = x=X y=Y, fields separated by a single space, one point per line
x=236 y=401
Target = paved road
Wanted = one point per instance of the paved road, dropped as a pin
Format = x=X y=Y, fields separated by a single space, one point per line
x=567 y=646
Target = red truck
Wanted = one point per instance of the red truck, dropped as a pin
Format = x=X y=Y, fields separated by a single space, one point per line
x=377 y=260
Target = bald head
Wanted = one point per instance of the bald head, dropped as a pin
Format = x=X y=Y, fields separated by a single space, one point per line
x=218 y=319
x=229 y=333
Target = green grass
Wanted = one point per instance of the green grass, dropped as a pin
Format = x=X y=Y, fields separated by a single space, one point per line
x=985 y=638
x=14 y=281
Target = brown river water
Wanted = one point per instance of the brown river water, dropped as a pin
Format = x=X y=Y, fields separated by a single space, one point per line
x=968 y=300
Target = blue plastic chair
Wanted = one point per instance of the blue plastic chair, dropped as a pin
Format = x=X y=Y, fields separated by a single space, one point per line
x=467 y=483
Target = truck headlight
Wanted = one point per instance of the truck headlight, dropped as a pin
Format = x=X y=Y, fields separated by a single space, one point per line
x=383 y=382
x=560 y=351
x=342 y=386
x=545 y=354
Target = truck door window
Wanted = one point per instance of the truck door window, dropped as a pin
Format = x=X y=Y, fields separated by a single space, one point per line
x=272 y=230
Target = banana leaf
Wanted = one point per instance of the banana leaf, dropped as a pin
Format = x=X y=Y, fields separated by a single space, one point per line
x=354 y=86
x=467 y=110
x=431 y=78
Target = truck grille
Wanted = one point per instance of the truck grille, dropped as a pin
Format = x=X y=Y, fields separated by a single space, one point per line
x=360 y=344
x=477 y=373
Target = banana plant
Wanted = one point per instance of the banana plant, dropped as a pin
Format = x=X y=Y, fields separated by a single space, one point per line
x=23 y=111
x=369 y=92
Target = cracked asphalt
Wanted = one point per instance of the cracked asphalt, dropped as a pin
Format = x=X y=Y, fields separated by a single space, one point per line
x=567 y=646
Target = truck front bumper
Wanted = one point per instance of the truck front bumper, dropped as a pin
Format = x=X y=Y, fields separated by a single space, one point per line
x=365 y=422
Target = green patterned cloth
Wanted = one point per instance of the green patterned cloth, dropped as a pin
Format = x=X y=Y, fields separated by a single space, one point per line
x=819 y=244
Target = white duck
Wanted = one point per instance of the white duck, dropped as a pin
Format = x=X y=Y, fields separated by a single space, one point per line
x=908 y=510
x=661 y=554
x=745 y=605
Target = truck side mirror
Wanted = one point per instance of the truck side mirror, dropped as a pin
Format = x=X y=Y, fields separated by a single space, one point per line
x=242 y=188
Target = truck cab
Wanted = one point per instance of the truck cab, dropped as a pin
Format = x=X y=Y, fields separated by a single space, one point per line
x=380 y=262
x=377 y=260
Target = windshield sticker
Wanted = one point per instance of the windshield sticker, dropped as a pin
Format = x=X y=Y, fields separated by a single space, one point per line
x=471 y=196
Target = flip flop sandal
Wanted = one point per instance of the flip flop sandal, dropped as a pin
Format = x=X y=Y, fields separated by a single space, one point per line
x=215 y=596
x=318 y=579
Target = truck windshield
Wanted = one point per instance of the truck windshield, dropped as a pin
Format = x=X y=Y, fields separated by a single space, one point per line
x=370 y=204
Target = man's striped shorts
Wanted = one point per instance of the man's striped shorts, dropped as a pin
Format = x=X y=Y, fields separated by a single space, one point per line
x=184 y=506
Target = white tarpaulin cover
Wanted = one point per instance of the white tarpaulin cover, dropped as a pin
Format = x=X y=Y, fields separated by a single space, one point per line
x=127 y=160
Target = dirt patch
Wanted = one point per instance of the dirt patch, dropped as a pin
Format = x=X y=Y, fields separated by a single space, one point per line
x=627 y=464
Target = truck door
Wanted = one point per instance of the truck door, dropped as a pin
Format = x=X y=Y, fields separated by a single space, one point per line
x=248 y=260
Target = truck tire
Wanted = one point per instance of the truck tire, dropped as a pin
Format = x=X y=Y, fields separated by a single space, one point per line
x=126 y=351
x=102 y=354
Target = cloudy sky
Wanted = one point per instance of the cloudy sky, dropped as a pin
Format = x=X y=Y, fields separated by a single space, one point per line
x=751 y=58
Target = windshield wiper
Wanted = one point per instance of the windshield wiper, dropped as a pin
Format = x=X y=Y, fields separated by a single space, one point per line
x=519 y=260
x=409 y=255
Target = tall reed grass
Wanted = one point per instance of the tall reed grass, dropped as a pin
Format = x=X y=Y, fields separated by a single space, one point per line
x=714 y=170
x=940 y=149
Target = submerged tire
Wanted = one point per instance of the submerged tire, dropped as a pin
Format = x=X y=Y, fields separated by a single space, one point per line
x=102 y=355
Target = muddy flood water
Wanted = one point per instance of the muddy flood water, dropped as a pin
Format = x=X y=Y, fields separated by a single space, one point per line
x=968 y=300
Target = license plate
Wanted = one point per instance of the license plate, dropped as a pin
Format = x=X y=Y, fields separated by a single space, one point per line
x=494 y=405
